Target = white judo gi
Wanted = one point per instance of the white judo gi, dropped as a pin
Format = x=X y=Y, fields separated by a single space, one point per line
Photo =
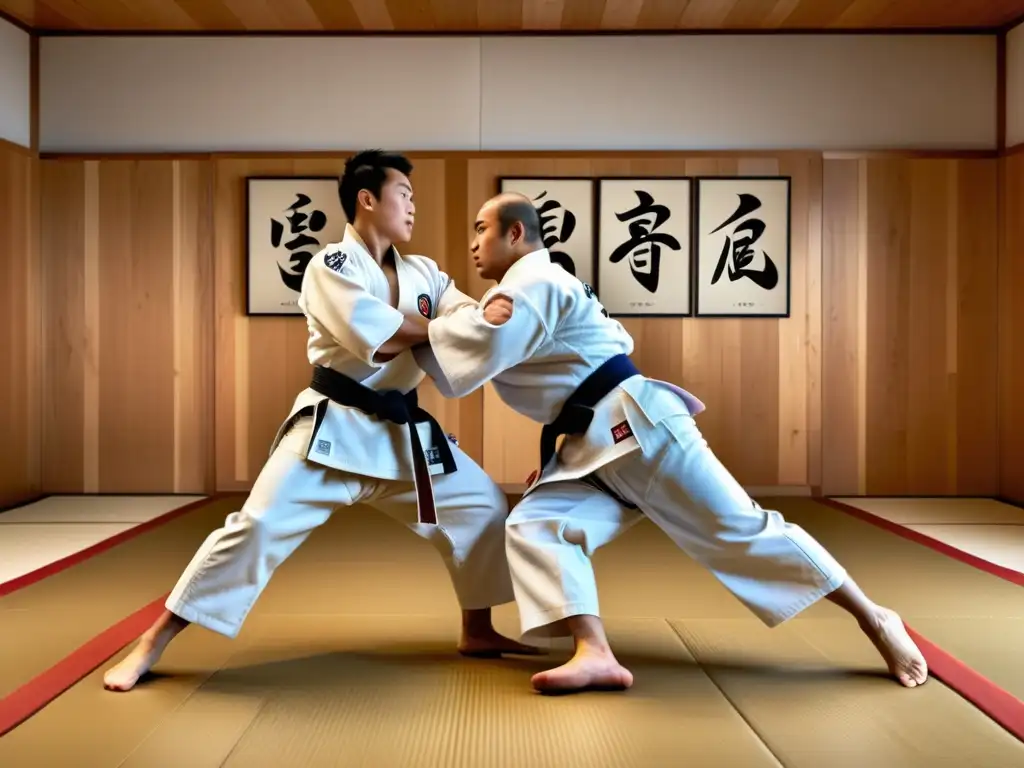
x=328 y=455
x=642 y=445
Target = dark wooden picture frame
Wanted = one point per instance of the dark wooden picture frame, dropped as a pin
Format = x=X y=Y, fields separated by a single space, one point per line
x=755 y=232
x=274 y=213
x=645 y=266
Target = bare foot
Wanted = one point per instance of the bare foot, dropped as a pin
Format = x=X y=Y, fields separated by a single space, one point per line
x=586 y=670
x=489 y=644
x=125 y=675
x=906 y=662
x=150 y=647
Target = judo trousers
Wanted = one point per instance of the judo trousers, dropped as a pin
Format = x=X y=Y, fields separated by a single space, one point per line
x=773 y=567
x=293 y=496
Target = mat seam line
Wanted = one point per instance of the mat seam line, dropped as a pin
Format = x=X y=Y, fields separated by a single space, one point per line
x=161 y=720
x=726 y=696
x=242 y=735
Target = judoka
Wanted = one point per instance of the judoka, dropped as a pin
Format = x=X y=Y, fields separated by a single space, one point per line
x=631 y=448
x=356 y=435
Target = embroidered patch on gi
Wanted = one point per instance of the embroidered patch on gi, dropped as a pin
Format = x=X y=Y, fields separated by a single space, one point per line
x=433 y=455
x=621 y=431
x=323 y=446
x=335 y=260
x=423 y=304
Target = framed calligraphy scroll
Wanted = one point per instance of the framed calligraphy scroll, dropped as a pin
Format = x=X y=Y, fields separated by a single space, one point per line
x=644 y=239
x=743 y=246
x=289 y=220
x=566 y=208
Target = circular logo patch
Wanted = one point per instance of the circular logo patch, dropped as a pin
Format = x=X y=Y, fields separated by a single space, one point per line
x=423 y=304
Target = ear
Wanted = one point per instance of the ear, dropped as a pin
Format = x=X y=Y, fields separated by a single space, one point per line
x=365 y=199
x=517 y=231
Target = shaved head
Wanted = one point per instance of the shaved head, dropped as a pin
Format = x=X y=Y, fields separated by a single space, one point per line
x=511 y=208
x=507 y=228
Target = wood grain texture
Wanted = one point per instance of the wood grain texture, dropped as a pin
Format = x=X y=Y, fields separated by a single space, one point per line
x=883 y=381
x=127 y=333
x=909 y=357
x=506 y=15
x=20 y=313
x=1011 y=329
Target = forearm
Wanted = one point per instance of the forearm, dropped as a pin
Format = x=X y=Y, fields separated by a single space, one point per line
x=413 y=331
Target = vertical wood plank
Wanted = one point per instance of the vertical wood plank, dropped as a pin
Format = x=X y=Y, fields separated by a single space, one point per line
x=62 y=251
x=20 y=375
x=978 y=330
x=92 y=331
x=840 y=360
x=1011 y=331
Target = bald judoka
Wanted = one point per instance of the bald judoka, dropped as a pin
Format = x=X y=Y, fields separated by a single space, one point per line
x=631 y=449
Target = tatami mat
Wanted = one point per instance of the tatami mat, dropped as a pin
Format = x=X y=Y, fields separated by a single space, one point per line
x=46 y=531
x=46 y=621
x=998 y=544
x=95 y=509
x=348 y=660
x=26 y=547
x=812 y=691
x=938 y=511
x=985 y=528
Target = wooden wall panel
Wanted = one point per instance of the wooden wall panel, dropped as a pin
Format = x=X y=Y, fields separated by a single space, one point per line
x=127 y=332
x=909 y=355
x=883 y=381
x=20 y=309
x=1011 y=330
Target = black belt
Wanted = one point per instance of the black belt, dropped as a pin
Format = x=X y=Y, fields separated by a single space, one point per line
x=578 y=411
x=391 y=405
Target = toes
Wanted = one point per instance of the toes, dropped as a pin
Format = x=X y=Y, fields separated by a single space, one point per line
x=913 y=678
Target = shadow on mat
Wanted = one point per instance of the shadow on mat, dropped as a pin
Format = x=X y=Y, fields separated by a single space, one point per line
x=404 y=665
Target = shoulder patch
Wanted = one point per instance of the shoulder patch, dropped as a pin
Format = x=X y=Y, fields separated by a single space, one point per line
x=587 y=289
x=423 y=305
x=335 y=260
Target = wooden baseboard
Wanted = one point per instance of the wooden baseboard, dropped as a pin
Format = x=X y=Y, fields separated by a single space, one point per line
x=23 y=502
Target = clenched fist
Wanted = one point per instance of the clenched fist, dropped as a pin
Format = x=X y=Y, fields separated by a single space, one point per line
x=498 y=310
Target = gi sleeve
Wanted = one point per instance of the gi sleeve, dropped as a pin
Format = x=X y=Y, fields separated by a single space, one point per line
x=467 y=351
x=451 y=298
x=333 y=294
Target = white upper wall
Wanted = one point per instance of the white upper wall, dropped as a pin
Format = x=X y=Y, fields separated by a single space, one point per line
x=151 y=94
x=15 y=85
x=742 y=92
x=1015 y=86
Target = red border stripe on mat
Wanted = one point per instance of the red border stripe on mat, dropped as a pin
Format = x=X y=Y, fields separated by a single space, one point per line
x=1008 y=574
x=19 y=706
x=75 y=558
x=1002 y=706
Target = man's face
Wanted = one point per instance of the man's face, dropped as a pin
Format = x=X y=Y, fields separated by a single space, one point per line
x=394 y=213
x=492 y=251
